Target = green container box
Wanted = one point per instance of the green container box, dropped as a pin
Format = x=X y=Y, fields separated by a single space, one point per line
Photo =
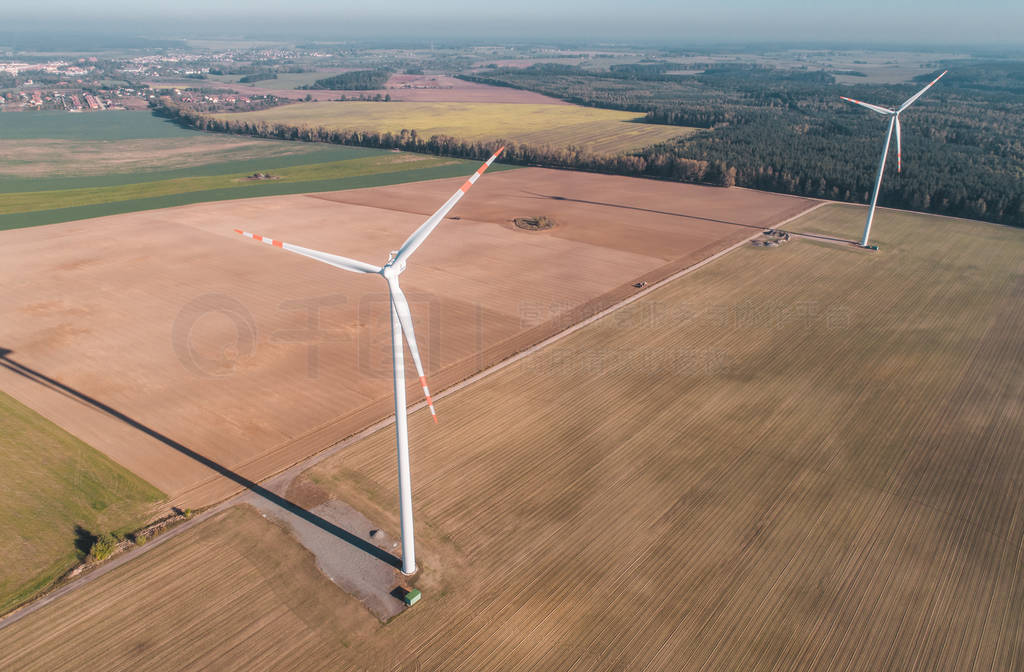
x=412 y=597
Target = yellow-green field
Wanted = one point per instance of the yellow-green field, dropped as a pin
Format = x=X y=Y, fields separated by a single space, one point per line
x=56 y=491
x=804 y=457
x=592 y=129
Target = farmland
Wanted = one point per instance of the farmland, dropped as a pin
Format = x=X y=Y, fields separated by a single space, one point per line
x=58 y=167
x=701 y=481
x=194 y=338
x=112 y=125
x=43 y=148
x=226 y=595
x=289 y=179
x=698 y=481
x=27 y=162
x=56 y=492
x=408 y=88
x=592 y=129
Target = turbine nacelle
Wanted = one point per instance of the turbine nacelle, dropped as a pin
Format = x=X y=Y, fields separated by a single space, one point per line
x=393 y=268
x=895 y=115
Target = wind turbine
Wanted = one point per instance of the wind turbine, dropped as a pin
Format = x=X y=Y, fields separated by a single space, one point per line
x=894 y=121
x=401 y=322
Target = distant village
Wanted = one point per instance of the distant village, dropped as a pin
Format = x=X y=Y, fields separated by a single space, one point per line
x=95 y=84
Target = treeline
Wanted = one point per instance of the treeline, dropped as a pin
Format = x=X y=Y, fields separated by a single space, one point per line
x=257 y=77
x=212 y=101
x=662 y=165
x=255 y=67
x=352 y=81
x=788 y=131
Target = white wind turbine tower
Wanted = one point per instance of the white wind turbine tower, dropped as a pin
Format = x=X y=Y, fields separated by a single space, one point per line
x=401 y=322
x=894 y=121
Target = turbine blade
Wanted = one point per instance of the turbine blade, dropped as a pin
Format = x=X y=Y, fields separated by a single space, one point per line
x=899 y=150
x=874 y=108
x=917 y=95
x=418 y=236
x=405 y=317
x=332 y=259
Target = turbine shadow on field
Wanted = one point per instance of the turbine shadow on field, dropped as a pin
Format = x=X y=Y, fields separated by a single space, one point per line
x=685 y=216
x=820 y=236
x=657 y=212
x=252 y=486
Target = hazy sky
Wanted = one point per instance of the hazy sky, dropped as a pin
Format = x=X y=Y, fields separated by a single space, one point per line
x=888 y=21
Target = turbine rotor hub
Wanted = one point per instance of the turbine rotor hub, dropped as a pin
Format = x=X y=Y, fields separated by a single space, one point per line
x=393 y=270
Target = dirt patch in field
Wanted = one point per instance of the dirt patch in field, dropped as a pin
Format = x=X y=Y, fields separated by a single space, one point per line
x=539 y=223
x=200 y=359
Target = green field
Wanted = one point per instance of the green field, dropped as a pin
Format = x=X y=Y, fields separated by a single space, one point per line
x=381 y=164
x=213 y=164
x=51 y=482
x=108 y=125
x=57 y=167
x=99 y=202
x=593 y=129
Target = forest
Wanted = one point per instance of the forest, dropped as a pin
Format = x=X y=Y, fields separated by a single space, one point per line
x=357 y=80
x=788 y=130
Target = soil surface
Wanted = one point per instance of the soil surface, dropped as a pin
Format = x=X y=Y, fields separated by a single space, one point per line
x=204 y=361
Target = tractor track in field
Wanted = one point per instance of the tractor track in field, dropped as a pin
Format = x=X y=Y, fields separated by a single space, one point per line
x=322 y=540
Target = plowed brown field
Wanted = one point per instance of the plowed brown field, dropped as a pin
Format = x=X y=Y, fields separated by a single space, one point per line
x=805 y=457
x=153 y=332
x=797 y=458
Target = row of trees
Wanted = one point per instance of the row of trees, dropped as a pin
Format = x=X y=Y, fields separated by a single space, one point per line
x=662 y=165
x=254 y=67
x=257 y=77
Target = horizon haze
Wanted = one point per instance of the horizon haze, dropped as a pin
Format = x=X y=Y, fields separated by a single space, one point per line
x=873 y=23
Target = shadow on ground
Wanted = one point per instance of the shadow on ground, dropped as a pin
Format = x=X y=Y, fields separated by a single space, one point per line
x=253 y=487
x=686 y=216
